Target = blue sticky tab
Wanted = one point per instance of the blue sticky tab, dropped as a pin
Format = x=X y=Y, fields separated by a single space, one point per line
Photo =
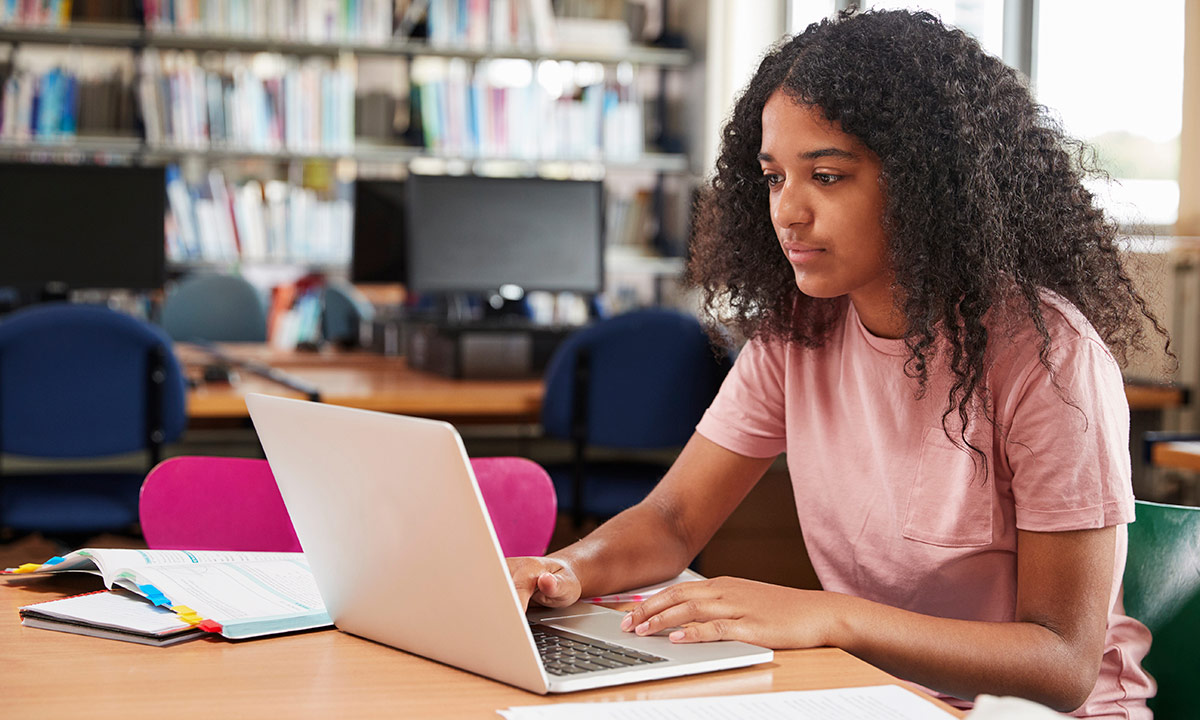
x=154 y=595
x=53 y=561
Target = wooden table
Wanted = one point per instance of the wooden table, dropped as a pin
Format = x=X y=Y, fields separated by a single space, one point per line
x=324 y=675
x=388 y=384
x=1150 y=396
x=1180 y=455
x=362 y=380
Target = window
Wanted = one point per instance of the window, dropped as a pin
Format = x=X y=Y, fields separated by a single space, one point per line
x=983 y=19
x=1113 y=70
x=1110 y=70
x=802 y=13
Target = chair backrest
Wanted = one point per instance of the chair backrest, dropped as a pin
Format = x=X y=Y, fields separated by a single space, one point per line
x=345 y=309
x=80 y=381
x=216 y=503
x=648 y=376
x=521 y=502
x=1162 y=590
x=215 y=308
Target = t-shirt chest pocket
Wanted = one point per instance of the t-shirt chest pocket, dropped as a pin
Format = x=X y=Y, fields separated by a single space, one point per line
x=949 y=505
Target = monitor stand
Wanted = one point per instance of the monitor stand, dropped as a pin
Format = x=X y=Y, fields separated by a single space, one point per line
x=476 y=310
x=499 y=311
x=493 y=341
x=54 y=292
x=14 y=298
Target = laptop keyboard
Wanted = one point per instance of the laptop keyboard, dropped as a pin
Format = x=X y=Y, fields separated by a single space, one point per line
x=565 y=653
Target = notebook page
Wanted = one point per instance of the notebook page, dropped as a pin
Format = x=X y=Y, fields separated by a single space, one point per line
x=112 y=609
x=235 y=591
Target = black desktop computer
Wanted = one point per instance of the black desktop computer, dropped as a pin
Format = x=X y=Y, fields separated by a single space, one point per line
x=80 y=227
x=448 y=238
x=487 y=350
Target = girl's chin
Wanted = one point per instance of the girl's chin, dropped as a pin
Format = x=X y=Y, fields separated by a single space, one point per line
x=817 y=290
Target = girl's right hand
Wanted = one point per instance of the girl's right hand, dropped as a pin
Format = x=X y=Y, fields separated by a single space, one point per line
x=545 y=581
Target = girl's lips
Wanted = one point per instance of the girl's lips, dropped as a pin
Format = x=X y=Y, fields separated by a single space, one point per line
x=801 y=253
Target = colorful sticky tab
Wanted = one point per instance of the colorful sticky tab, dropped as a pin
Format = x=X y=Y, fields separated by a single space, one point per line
x=154 y=595
x=211 y=626
x=54 y=560
x=187 y=614
x=27 y=568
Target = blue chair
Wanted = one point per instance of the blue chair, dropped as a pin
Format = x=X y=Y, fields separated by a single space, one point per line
x=635 y=382
x=1162 y=590
x=81 y=381
x=344 y=311
x=215 y=308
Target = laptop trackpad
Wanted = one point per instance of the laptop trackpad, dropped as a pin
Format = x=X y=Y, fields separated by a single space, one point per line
x=536 y=613
x=605 y=625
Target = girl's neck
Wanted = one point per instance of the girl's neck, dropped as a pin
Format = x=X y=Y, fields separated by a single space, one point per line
x=880 y=317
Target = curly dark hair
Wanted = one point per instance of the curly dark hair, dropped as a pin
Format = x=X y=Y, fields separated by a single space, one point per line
x=983 y=200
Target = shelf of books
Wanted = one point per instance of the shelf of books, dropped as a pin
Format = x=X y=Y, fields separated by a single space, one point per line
x=222 y=223
x=126 y=35
x=485 y=87
x=114 y=149
x=275 y=105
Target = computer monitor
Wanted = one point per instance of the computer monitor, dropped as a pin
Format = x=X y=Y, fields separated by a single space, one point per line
x=81 y=227
x=468 y=234
x=378 y=232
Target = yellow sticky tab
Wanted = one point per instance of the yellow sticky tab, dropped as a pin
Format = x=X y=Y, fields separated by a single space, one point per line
x=27 y=567
x=187 y=614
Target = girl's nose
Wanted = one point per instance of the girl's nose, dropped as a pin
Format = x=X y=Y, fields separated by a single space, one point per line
x=791 y=206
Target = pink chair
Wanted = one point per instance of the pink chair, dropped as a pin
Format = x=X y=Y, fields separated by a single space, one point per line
x=219 y=503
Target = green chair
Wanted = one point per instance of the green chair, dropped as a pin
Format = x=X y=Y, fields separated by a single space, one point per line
x=1162 y=590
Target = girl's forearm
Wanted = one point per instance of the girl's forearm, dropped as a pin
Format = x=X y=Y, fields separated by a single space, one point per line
x=638 y=547
x=657 y=538
x=965 y=658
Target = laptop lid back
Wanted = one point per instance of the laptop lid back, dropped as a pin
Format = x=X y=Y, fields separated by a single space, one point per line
x=393 y=525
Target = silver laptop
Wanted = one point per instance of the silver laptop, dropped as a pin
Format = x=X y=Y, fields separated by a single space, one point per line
x=392 y=523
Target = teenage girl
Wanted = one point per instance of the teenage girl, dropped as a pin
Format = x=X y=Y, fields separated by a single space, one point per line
x=935 y=310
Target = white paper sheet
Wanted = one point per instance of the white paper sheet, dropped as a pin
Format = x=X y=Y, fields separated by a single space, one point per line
x=882 y=702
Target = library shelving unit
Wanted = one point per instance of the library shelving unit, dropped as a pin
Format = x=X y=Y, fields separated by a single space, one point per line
x=359 y=154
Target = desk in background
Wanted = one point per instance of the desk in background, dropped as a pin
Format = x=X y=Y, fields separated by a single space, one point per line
x=361 y=380
x=1153 y=396
x=325 y=674
x=387 y=384
x=1181 y=455
x=1147 y=403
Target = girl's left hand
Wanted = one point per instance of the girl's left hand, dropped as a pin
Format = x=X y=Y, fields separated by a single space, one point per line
x=736 y=609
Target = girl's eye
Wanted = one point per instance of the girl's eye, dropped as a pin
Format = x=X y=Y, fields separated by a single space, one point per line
x=772 y=179
x=826 y=178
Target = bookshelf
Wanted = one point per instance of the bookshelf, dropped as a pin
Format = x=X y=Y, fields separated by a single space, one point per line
x=134 y=149
x=156 y=50
x=129 y=35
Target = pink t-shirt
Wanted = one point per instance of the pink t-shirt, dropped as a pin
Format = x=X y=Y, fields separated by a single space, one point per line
x=892 y=511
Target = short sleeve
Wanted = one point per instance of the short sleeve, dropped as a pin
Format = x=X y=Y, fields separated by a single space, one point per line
x=747 y=416
x=1068 y=442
